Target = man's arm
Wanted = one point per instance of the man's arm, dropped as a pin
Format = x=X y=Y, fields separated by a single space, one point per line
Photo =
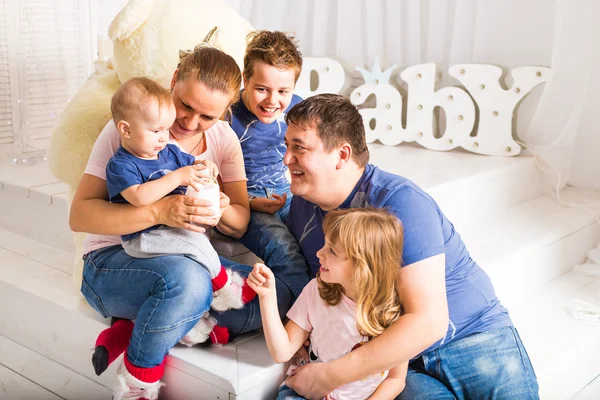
x=422 y=288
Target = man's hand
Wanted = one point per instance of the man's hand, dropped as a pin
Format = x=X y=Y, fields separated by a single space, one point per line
x=311 y=381
x=269 y=206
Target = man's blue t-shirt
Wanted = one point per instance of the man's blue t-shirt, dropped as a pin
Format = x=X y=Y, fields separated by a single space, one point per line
x=125 y=170
x=263 y=146
x=472 y=302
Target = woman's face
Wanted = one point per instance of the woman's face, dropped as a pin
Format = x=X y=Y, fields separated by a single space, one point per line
x=197 y=107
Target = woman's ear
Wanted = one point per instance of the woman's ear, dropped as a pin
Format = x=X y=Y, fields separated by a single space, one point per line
x=174 y=79
x=123 y=128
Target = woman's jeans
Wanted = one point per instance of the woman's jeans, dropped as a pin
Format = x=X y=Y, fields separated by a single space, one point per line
x=488 y=365
x=165 y=295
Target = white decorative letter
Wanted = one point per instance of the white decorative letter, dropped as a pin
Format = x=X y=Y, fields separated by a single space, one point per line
x=496 y=105
x=330 y=73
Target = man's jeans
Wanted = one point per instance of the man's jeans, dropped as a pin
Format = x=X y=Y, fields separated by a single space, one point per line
x=165 y=295
x=488 y=365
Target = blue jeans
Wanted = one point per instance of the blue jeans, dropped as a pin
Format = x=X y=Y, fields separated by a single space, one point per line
x=488 y=365
x=165 y=295
x=287 y=393
x=269 y=238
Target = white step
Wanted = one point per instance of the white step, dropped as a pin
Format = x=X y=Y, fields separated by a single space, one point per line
x=42 y=311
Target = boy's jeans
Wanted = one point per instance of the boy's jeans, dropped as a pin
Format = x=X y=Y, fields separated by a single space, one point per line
x=268 y=237
x=488 y=365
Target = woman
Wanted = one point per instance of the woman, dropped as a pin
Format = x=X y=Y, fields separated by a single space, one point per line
x=167 y=295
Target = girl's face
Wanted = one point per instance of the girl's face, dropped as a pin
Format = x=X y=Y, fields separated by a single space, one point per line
x=335 y=267
x=197 y=107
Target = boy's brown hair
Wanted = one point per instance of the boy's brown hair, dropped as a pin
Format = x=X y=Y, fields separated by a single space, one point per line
x=135 y=94
x=274 y=48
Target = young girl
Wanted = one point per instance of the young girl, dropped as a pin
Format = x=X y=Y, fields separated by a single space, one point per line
x=352 y=300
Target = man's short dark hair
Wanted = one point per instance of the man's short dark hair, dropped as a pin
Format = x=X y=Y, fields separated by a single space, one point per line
x=336 y=121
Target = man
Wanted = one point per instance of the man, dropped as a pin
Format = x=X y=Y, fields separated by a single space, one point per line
x=459 y=337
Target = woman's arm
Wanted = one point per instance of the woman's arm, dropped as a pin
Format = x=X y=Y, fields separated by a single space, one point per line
x=422 y=287
x=234 y=220
x=91 y=211
x=393 y=384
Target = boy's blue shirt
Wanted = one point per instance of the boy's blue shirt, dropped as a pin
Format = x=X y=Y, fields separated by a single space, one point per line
x=472 y=302
x=263 y=146
x=125 y=170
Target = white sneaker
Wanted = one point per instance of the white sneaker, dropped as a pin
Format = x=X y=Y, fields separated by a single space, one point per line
x=131 y=388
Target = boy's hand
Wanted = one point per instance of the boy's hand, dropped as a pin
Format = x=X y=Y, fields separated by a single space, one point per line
x=210 y=168
x=269 y=206
x=262 y=280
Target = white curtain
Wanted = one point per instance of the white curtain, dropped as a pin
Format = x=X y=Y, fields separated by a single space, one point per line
x=556 y=120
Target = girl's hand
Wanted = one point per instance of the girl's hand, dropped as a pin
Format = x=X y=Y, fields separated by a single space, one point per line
x=262 y=280
x=269 y=206
x=186 y=212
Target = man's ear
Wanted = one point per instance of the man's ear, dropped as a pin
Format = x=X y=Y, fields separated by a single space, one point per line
x=244 y=80
x=123 y=128
x=345 y=155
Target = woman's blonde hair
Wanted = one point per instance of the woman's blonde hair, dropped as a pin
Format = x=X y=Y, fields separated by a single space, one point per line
x=372 y=240
x=212 y=67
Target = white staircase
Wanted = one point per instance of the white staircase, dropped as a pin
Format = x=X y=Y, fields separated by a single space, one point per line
x=526 y=241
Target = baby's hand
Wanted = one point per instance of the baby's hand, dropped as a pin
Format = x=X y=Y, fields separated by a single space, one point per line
x=262 y=280
x=192 y=175
x=211 y=171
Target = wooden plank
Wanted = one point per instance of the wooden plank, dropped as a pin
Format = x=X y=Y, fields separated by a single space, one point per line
x=48 y=374
x=31 y=249
x=14 y=386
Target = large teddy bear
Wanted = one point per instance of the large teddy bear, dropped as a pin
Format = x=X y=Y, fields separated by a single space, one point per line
x=147 y=36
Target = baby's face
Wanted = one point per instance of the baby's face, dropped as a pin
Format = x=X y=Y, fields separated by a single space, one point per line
x=269 y=91
x=149 y=130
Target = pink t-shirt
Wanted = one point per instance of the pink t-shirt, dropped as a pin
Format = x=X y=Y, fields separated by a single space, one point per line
x=222 y=147
x=333 y=334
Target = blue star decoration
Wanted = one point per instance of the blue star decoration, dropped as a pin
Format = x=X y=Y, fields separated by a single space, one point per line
x=376 y=76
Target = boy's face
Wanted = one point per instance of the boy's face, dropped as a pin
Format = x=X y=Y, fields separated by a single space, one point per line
x=147 y=132
x=269 y=91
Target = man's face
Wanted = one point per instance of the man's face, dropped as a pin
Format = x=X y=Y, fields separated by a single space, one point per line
x=312 y=168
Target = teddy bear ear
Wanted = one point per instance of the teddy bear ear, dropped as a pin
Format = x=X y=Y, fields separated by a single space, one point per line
x=130 y=18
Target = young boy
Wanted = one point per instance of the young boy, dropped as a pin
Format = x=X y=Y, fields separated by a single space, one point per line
x=272 y=65
x=145 y=169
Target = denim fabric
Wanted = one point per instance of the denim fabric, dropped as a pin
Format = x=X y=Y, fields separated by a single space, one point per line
x=287 y=393
x=269 y=238
x=165 y=296
x=488 y=365
x=280 y=190
x=248 y=318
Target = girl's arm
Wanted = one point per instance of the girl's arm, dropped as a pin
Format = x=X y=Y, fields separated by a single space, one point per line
x=393 y=384
x=283 y=342
x=235 y=218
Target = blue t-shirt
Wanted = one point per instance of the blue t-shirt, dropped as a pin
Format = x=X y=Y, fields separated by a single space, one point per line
x=125 y=170
x=472 y=302
x=262 y=145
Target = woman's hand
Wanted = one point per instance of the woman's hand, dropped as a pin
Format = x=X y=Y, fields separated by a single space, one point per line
x=224 y=202
x=269 y=206
x=186 y=212
x=262 y=280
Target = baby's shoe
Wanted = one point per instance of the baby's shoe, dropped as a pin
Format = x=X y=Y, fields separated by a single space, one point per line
x=230 y=290
x=135 y=383
x=200 y=332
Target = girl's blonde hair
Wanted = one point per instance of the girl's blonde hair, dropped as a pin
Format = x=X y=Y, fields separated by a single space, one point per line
x=372 y=240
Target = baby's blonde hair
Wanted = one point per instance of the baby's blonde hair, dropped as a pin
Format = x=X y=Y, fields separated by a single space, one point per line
x=372 y=240
x=135 y=94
